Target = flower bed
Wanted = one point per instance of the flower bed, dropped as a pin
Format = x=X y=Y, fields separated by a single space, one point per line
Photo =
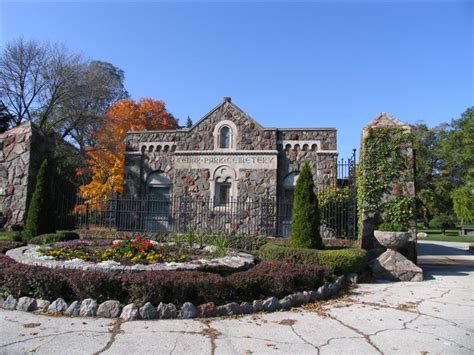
x=129 y=251
x=165 y=294
x=264 y=280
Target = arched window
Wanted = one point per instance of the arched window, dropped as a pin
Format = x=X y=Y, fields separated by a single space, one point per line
x=223 y=185
x=224 y=137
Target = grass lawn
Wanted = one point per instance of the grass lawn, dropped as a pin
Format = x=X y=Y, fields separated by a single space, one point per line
x=452 y=235
x=7 y=235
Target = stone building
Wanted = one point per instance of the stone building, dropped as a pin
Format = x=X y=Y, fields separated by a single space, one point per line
x=21 y=151
x=224 y=157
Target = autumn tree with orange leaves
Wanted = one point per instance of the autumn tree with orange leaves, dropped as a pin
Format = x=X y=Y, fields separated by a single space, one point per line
x=105 y=159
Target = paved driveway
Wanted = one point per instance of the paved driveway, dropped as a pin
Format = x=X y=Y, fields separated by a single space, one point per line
x=431 y=317
x=432 y=252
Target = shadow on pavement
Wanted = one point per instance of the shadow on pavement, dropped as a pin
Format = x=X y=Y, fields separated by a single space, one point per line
x=430 y=271
x=437 y=249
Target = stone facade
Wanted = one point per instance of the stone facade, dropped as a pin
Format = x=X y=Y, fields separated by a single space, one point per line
x=402 y=185
x=255 y=161
x=21 y=151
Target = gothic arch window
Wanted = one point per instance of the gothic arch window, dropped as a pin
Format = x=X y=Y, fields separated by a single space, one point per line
x=225 y=135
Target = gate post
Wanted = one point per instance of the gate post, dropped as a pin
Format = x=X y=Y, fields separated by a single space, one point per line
x=386 y=180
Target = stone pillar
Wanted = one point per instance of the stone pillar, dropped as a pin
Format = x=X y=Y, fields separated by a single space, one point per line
x=22 y=149
x=385 y=179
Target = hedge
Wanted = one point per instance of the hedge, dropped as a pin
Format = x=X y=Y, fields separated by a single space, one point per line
x=53 y=238
x=264 y=280
x=341 y=261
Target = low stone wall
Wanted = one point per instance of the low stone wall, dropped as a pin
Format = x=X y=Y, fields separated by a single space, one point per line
x=112 y=309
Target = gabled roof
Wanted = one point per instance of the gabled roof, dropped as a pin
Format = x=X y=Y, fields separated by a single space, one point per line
x=384 y=119
x=226 y=101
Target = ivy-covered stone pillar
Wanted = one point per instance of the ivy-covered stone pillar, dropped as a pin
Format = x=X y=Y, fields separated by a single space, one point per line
x=386 y=180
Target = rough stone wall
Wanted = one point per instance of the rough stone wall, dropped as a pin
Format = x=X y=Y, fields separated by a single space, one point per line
x=22 y=151
x=327 y=137
x=403 y=185
x=251 y=136
x=157 y=151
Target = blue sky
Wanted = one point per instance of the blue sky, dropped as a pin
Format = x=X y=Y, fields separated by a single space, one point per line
x=287 y=64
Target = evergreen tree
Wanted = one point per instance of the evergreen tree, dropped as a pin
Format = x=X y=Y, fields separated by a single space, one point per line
x=305 y=219
x=5 y=118
x=40 y=218
x=189 y=122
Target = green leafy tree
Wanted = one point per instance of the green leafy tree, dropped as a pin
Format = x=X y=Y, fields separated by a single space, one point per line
x=445 y=155
x=443 y=221
x=456 y=151
x=40 y=218
x=305 y=219
x=463 y=204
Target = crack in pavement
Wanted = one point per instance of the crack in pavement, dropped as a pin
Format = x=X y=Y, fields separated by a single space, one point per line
x=174 y=346
x=405 y=324
x=212 y=333
x=51 y=335
x=405 y=309
x=113 y=333
x=365 y=336
x=336 y=338
x=303 y=339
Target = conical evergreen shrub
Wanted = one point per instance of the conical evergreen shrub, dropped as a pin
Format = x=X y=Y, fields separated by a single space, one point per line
x=305 y=218
x=40 y=217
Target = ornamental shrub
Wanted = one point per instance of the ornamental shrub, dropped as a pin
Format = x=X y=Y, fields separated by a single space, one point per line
x=40 y=218
x=6 y=245
x=392 y=227
x=341 y=261
x=52 y=238
x=264 y=280
x=305 y=218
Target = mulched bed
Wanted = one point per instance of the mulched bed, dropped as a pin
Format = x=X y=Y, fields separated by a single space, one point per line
x=266 y=279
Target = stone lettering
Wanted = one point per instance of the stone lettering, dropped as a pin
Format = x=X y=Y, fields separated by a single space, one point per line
x=266 y=161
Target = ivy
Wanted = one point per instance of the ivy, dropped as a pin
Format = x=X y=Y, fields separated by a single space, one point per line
x=399 y=210
x=383 y=160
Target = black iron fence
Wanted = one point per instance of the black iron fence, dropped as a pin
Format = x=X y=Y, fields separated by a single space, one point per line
x=266 y=215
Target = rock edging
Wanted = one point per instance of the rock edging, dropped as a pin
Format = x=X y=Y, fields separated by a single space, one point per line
x=112 y=309
x=235 y=261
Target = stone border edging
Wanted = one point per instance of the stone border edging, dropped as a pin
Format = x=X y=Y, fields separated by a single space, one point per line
x=112 y=309
x=235 y=261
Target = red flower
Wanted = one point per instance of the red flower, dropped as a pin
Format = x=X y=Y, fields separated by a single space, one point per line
x=141 y=249
x=138 y=239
